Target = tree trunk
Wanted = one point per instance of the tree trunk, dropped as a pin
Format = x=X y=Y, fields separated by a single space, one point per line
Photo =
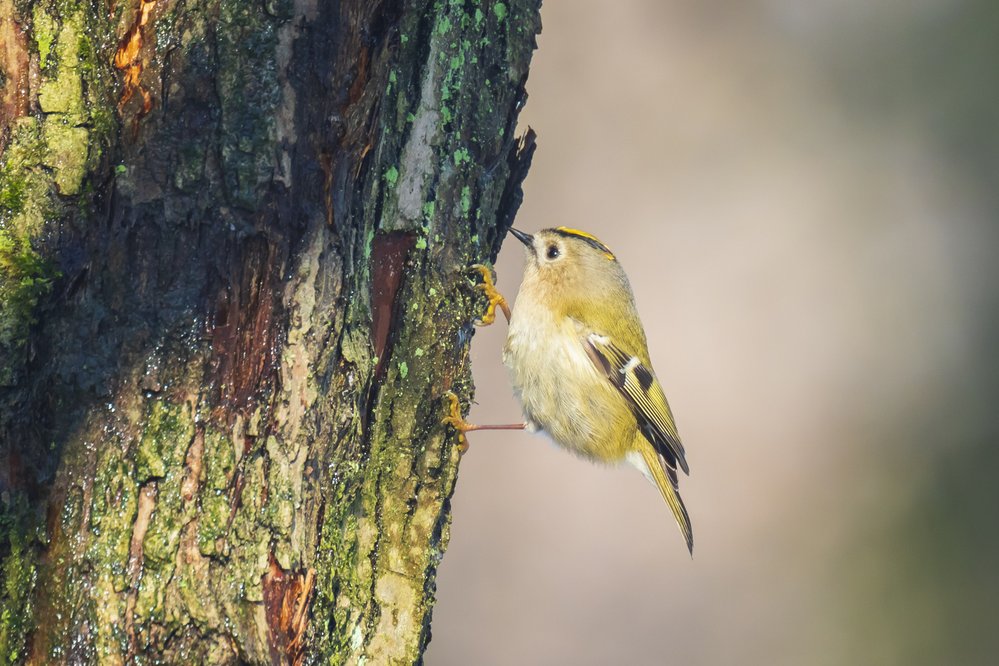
x=234 y=241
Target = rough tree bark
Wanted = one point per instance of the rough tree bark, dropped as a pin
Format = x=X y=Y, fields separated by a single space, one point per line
x=233 y=250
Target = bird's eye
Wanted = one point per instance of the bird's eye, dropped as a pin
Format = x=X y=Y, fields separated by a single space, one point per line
x=552 y=252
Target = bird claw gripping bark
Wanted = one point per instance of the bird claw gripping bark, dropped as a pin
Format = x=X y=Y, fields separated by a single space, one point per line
x=488 y=288
x=455 y=420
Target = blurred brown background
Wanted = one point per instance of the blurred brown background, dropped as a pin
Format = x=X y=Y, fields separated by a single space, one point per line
x=804 y=195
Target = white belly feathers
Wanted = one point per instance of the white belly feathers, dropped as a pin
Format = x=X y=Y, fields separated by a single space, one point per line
x=548 y=364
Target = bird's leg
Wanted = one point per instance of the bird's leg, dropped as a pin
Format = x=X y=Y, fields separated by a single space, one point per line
x=455 y=420
x=488 y=288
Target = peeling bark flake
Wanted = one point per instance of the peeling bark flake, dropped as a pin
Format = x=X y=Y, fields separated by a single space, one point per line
x=128 y=58
x=147 y=502
x=193 y=464
x=287 y=595
x=14 y=87
x=388 y=258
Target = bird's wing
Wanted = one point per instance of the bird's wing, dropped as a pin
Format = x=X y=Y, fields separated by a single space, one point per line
x=639 y=386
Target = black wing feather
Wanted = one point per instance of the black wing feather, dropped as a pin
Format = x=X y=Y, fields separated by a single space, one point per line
x=638 y=385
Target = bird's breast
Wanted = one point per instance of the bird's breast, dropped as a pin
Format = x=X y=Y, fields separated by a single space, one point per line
x=559 y=388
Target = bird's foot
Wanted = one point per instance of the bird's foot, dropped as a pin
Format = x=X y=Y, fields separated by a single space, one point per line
x=488 y=288
x=456 y=421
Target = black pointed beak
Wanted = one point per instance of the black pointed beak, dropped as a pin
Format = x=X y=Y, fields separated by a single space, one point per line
x=526 y=239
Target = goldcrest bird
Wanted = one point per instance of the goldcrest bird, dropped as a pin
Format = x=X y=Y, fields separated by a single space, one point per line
x=579 y=361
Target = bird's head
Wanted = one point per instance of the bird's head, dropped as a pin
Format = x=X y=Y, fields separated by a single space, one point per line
x=563 y=255
x=567 y=268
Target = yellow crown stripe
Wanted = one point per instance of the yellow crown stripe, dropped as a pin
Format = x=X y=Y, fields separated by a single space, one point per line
x=567 y=231
x=588 y=238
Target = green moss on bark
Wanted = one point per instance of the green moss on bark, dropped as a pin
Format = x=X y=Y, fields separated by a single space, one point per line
x=25 y=279
x=163 y=447
x=65 y=128
x=112 y=514
x=24 y=184
x=17 y=577
x=48 y=155
x=219 y=463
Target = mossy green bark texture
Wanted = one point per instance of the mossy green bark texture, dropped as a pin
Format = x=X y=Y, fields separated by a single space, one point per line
x=234 y=242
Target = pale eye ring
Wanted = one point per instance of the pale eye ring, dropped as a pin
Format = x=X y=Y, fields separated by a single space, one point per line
x=552 y=252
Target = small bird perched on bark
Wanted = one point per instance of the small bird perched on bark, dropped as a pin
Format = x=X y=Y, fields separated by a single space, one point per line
x=579 y=361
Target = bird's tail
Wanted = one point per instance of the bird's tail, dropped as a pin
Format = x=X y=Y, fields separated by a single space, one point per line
x=667 y=484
